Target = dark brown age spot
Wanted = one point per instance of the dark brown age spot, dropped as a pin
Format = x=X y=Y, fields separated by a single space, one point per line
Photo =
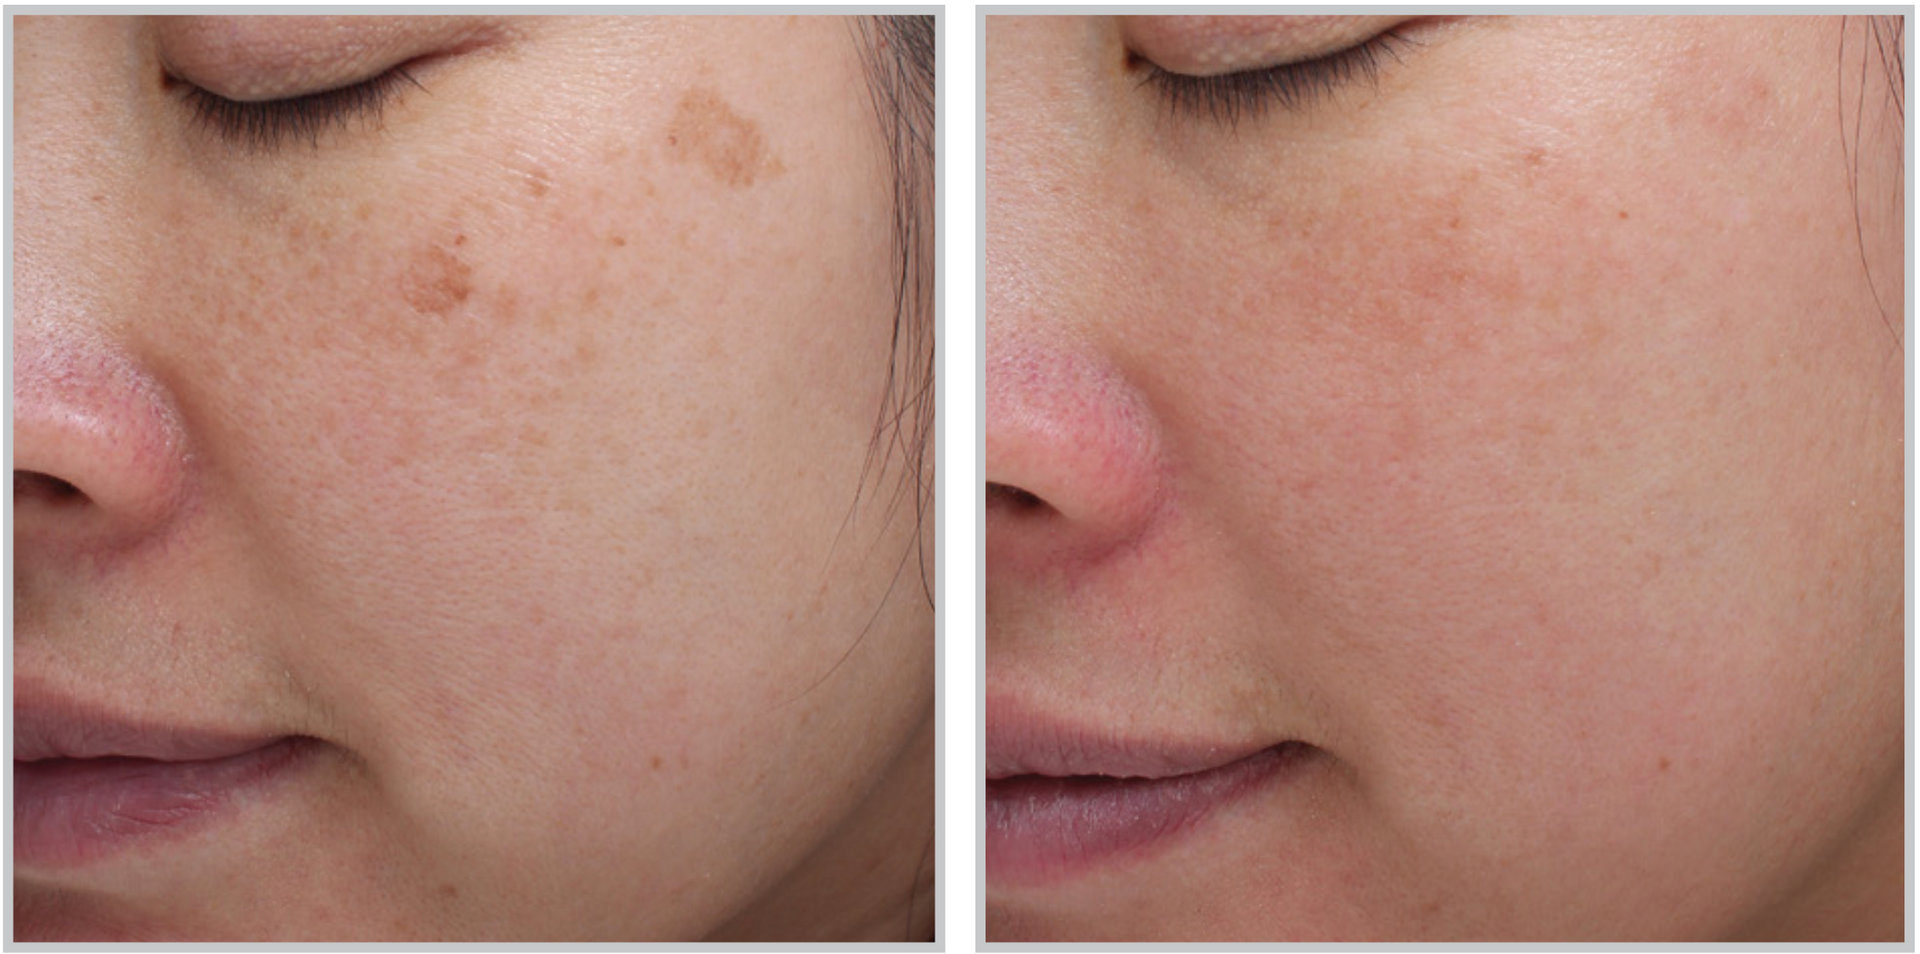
x=438 y=282
x=706 y=131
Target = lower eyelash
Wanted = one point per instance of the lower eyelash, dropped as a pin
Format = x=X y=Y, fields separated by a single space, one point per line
x=267 y=124
x=1227 y=98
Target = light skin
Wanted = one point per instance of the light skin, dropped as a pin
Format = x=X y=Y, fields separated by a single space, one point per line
x=1522 y=431
x=514 y=444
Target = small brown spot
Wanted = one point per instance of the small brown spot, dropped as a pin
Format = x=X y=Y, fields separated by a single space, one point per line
x=705 y=130
x=438 y=282
x=1536 y=156
x=1665 y=763
x=538 y=182
x=99 y=197
x=448 y=892
x=657 y=762
x=460 y=239
x=617 y=241
x=1453 y=223
x=1623 y=215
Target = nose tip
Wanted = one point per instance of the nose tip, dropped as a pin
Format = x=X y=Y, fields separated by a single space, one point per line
x=98 y=452
x=1072 y=458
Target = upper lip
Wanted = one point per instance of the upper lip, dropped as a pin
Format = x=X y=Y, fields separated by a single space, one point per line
x=56 y=727
x=1021 y=742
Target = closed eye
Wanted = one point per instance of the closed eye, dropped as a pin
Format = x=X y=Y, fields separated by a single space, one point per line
x=1227 y=98
x=265 y=125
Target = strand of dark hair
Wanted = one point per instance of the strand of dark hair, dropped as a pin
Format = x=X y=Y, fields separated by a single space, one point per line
x=899 y=55
x=1887 y=40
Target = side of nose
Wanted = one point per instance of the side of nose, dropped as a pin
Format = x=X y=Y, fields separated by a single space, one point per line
x=99 y=455
x=1073 y=463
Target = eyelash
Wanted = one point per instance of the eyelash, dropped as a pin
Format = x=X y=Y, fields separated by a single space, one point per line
x=265 y=125
x=1227 y=98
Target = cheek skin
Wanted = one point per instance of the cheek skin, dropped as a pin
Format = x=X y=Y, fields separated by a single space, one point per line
x=517 y=406
x=1529 y=429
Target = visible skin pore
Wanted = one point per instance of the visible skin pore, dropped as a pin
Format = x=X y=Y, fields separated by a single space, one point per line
x=501 y=448
x=1521 y=432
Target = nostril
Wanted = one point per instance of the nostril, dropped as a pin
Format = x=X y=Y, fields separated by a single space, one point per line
x=46 y=488
x=1012 y=497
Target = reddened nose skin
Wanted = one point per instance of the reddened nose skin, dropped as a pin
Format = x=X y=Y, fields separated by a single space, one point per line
x=1073 y=459
x=99 y=455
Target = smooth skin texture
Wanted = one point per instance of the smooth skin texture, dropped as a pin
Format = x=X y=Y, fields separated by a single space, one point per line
x=1521 y=430
x=514 y=443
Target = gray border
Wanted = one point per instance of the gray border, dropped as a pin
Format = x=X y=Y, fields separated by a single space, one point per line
x=981 y=12
x=938 y=12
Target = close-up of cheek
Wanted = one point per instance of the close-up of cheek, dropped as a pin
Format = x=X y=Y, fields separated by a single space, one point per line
x=1532 y=494
x=1519 y=471
x=482 y=422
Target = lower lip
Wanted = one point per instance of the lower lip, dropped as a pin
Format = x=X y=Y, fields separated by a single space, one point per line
x=1041 y=829
x=70 y=812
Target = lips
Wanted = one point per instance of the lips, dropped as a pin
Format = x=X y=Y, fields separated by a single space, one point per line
x=87 y=786
x=1061 y=803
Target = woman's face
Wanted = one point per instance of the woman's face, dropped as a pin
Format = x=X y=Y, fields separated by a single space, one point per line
x=1518 y=435
x=510 y=441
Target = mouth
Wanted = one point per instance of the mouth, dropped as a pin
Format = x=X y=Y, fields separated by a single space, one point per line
x=86 y=789
x=1054 y=813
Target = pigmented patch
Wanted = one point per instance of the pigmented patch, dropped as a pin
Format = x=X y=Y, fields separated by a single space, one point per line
x=438 y=282
x=707 y=132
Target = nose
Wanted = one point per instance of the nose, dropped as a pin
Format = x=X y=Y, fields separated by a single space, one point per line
x=1073 y=463
x=99 y=456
